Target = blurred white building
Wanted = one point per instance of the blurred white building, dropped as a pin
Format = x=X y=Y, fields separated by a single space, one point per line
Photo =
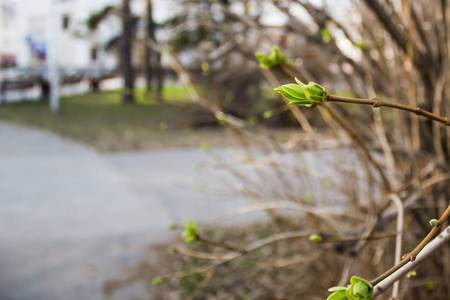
x=8 y=40
x=77 y=48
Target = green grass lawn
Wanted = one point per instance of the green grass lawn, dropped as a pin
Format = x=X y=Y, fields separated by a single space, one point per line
x=102 y=121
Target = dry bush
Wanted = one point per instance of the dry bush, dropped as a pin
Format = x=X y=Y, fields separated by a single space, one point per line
x=334 y=184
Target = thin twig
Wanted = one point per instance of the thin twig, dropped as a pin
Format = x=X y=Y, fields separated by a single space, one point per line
x=222 y=245
x=361 y=238
x=198 y=254
x=202 y=285
x=350 y=131
x=375 y=102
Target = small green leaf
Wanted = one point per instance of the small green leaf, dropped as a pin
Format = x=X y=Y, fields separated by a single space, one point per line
x=190 y=231
x=157 y=280
x=337 y=288
x=172 y=250
x=339 y=295
x=296 y=91
x=315 y=238
x=434 y=222
x=301 y=102
x=288 y=96
x=276 y=56
x=299 y=82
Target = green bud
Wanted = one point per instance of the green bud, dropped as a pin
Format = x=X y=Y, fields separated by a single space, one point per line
x=163 y=125
x=316 y=238
x=157 y=280
x=267 y=114
x=264 y=61
x=362 y=45
x=338 y=295
x=172 y=250
x=316 y=93
x=301 y=94
x=276 y=56
x=360 y=289
x=434 y=222
x=411 y=274
x=308 y=197
x=326 y=35
x=222 y=121
x=229 y=97
x=252 y=121
x=430 y=285
x=190 y=231
x=329 y=182
x=204 y=146
x=171 y=227
x=205 y=68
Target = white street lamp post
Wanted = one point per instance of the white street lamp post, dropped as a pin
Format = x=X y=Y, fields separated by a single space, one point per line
x=52 y=55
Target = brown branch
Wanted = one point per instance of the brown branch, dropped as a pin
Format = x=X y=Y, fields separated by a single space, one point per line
x=412 y=255
x=375 y=102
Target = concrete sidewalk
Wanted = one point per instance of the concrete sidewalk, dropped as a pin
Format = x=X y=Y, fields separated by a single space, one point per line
x=68 y=220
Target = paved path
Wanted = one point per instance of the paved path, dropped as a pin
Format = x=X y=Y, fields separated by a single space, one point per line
x=71 y=218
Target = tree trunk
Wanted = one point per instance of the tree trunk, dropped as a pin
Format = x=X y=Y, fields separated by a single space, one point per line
x=159 y=77
x=149 y=53
x=127 y=40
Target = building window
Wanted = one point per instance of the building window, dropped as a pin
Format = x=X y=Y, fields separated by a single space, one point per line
x=65 y=22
